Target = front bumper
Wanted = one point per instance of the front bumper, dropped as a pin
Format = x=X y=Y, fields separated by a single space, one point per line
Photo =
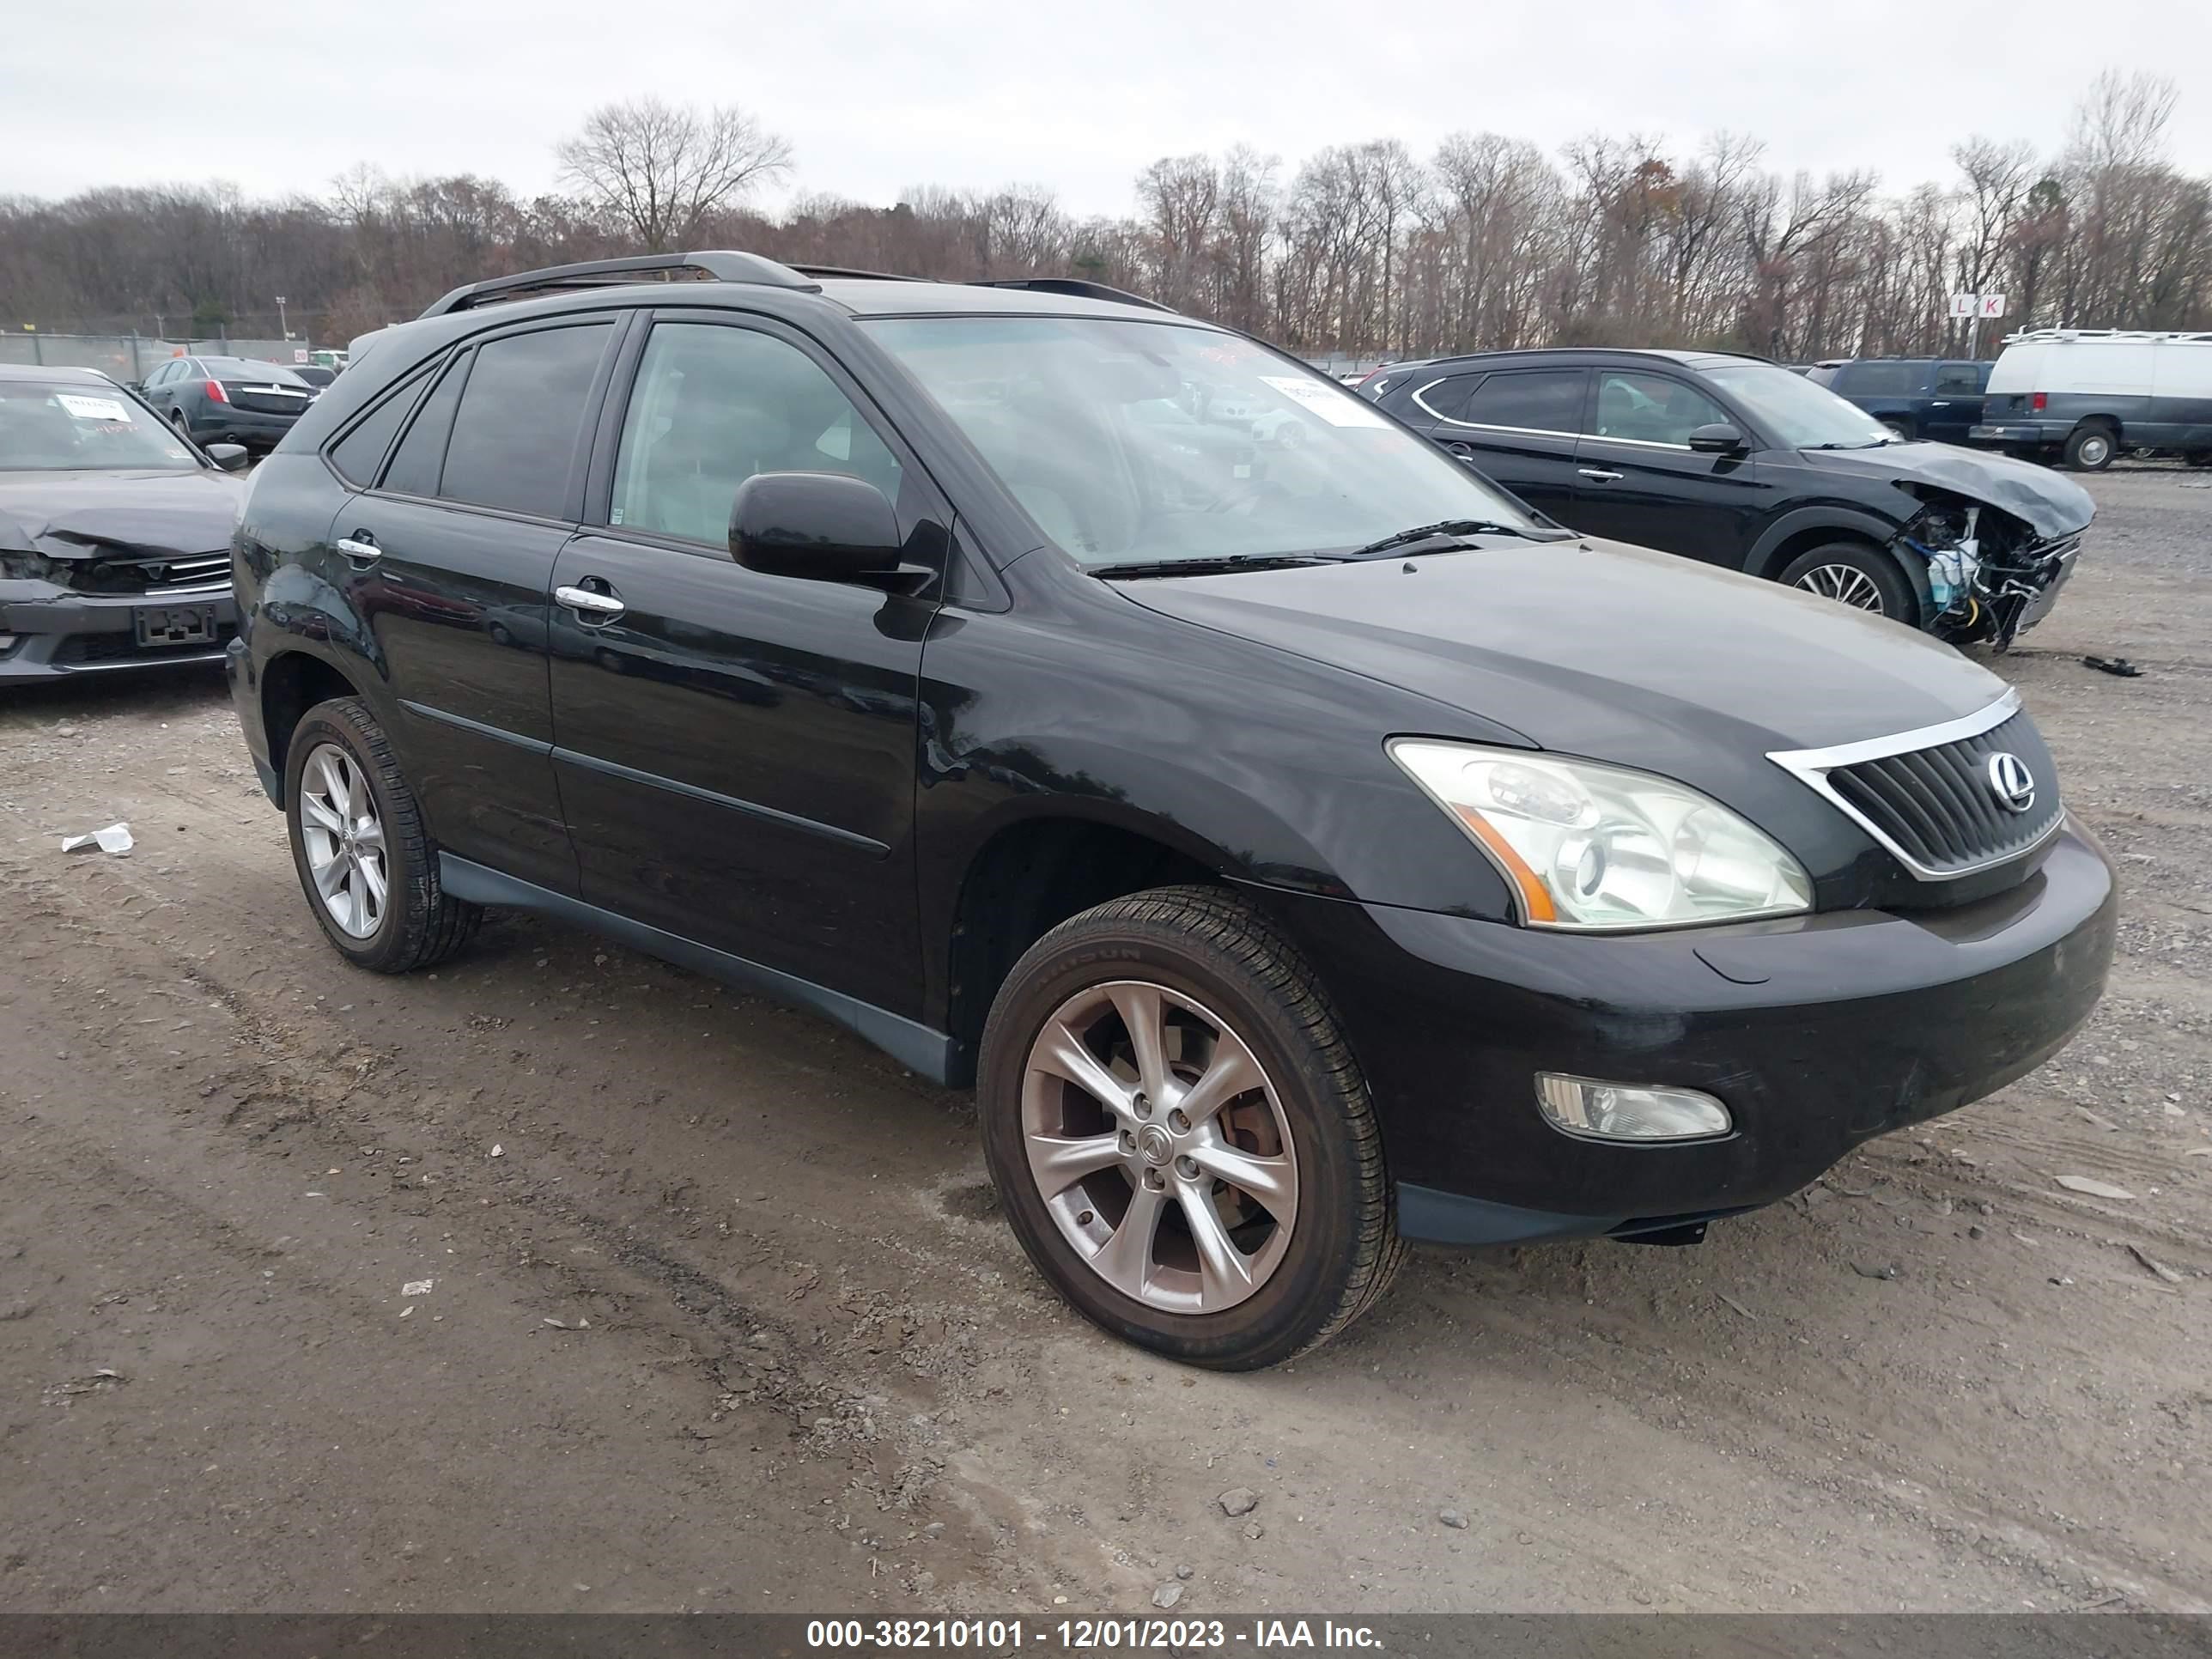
x=50 y=631
x=1818 y=1033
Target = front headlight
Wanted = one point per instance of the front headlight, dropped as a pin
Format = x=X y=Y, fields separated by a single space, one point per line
x=1594 y=847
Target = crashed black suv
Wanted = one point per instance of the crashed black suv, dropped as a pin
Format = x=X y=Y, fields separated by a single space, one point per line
x=115 y=530
x=1298 y=846
x=1738 y=462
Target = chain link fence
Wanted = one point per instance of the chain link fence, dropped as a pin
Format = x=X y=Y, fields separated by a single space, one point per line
x=131 y=357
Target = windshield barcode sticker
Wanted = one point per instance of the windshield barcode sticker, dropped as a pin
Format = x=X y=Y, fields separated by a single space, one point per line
x=1337 y=408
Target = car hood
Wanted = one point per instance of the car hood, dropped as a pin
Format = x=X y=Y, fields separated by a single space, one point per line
x=1599 y=649
x=82 y=515
x=2049 y=504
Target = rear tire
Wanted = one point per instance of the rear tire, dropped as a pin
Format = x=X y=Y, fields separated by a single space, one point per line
x=1134 y=1238
x=1899 y=427
x=1853 y=574
x=2090 y=447
x=364 y=856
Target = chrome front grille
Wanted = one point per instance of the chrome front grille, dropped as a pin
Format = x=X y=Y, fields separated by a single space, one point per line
x=160 y=575
x=1935 y=797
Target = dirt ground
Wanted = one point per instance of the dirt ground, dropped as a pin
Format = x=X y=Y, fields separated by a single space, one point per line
x=720 y=1314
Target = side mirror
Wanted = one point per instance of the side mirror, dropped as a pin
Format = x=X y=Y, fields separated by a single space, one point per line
x=231 y=458
x=134 y=385
x=1719 y=439
x=824 y=526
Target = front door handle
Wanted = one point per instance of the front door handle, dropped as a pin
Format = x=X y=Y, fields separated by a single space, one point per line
x=1940 y=403
x=1459 y=450
x=1600 y=475
x=360 y=546
x=590 y=607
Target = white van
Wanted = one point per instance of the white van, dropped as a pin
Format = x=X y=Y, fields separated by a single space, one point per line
x=2089 y=393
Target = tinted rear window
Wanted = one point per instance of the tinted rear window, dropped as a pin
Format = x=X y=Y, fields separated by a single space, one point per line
x=514 y=436
x=1879 y=379
x=1542 y=399
x=356 y=455
x=421 y=452
x=241 y=368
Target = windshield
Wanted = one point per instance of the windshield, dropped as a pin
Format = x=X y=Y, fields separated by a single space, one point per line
x=1142 y=443
x=1795 y=413
x=82 y=426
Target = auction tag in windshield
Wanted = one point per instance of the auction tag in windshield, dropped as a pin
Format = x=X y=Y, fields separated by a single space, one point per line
x=1337 y=408
x=92 y=408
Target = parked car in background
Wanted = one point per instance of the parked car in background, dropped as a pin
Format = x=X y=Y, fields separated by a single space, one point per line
x=1735 y=461
x=2085 y=395
x=1938 y=398
x=1296 y=862
x=115 y=530
x=315 y=375
x=228 y=399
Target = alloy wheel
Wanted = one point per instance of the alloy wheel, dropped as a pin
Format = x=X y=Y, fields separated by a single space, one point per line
x=1160 y=1146
x=344 y=839
x=1845 y=584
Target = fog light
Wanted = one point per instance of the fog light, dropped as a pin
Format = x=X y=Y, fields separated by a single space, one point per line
x=1622 y=1111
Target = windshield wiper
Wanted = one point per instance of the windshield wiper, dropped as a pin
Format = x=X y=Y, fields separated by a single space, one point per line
x=1213 y=567
x=1871 y=443
x=1429 y=532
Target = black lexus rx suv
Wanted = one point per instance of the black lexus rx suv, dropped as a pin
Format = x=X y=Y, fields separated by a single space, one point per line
x=1298 y=846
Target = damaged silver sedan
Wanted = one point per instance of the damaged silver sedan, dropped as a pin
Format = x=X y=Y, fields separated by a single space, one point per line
x=115 y=530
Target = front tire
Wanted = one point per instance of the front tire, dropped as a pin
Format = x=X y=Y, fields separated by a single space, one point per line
x=364 y=856
x=1850 y=573
x=1180 y=1135
x=1899 y=427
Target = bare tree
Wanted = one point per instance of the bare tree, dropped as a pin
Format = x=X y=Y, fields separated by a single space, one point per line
x=663 y=169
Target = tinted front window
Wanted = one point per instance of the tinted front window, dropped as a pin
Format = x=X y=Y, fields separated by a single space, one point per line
x=514 y=435
x=1539 y=399
x=82 y=426
x=1960 y=377
x=1652 y=408
x=715 y=405
x=1793 y=412
x=1270 y=459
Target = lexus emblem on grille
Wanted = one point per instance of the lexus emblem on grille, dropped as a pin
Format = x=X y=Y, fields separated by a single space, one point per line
x=2011 y=782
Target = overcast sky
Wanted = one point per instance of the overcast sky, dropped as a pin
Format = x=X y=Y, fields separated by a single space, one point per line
x=281 y=98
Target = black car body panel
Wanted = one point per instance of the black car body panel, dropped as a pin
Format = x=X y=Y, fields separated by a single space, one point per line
x=830 y=789
x=1759 y=507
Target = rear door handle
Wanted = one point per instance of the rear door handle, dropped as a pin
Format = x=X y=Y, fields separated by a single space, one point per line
x=1939 y=403
x=359 y=545
x=1600 y=475
x=590 y=607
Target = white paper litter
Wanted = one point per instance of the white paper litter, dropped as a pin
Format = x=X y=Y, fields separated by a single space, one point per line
x=116 y=838
x=417 y=1287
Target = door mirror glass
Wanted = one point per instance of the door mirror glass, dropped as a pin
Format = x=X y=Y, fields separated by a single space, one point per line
x=821 y=525
x=231 y=458
x=1718 y=439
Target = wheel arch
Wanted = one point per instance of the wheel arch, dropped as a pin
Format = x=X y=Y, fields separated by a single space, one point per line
x=1033 y=872
x=1800 y=533
x=291 y=683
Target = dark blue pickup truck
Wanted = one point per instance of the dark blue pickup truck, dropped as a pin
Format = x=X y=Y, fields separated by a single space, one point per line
x=1933 y=397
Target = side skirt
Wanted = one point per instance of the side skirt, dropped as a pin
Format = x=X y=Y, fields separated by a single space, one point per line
x=913 y=1045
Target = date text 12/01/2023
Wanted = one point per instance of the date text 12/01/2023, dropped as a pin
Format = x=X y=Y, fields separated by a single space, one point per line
x=999 y=1636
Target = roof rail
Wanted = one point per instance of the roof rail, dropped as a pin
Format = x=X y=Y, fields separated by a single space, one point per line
x=2191 y=336
x=1076 y=287
x=714 y=265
